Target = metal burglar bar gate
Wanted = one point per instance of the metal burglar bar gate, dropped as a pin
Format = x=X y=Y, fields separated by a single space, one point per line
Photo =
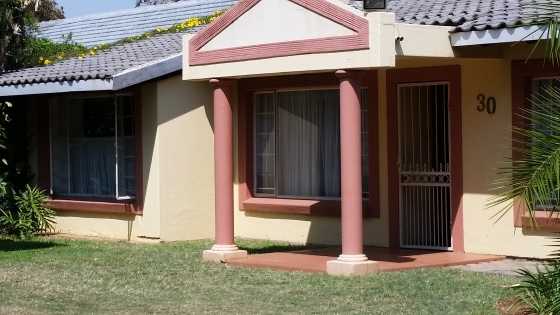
x=424 y=166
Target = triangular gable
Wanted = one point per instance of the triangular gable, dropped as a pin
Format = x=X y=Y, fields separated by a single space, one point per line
x=326 y=27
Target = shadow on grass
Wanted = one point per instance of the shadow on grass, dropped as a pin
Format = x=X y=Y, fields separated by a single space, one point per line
x=13 y=245
x=274 y=249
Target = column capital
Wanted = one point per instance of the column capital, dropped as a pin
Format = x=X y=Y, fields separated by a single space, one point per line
x=218 y=83
x=344 y=74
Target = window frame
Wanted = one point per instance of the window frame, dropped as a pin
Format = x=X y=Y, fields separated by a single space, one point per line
x=251 y=202
x=523 y=75
x=275 y=93
x=88 y=204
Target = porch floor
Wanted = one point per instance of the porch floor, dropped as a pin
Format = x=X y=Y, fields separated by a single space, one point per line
x=315 y=260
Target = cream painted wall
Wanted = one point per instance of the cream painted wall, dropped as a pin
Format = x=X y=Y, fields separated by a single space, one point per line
x=150 y=221
x=178 y=170
x=186 y=160
x=486 y=143
x=123 y=227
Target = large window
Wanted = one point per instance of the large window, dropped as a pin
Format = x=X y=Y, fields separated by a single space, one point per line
x=93 y=148
x=541 y=89
x=297 y=144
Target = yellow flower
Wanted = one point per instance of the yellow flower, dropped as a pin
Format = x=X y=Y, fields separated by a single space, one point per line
x=41 y=58
x=91 y=52
x=47 y=62
x=158 y=30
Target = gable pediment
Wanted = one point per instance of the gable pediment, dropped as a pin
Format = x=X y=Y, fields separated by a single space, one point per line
x=256 y=29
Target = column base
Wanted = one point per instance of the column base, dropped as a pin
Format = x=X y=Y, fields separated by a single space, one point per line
x=351 y=265
x=221 y=253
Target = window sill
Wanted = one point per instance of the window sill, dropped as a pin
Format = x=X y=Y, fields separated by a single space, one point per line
x=327 y=208
x=543 y=221
x=106 y=207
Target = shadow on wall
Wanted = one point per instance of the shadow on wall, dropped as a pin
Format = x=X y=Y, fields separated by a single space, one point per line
x=199 y=95
x=321 y=231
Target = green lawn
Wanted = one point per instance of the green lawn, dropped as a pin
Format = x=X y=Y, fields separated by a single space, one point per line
x=69 y=276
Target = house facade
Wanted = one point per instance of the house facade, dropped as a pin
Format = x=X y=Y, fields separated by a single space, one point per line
x=303 y=121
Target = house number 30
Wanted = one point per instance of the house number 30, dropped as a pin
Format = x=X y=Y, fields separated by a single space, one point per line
x=487 y=104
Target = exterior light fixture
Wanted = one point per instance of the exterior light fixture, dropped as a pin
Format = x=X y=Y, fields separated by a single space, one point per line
x=375 y=4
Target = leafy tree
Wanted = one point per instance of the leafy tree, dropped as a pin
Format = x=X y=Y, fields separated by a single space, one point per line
x=22 y=210
x=14 y=20
x=17 y=24
x=45 y=10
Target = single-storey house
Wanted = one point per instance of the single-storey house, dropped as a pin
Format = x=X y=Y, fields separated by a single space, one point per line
x=308 y=121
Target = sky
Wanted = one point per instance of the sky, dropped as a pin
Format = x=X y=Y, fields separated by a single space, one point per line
x=73 y=8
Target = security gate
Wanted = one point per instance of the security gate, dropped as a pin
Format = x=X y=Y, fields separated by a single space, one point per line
x=424 y=166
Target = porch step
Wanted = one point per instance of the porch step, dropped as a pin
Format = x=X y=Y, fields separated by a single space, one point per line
x=315 y=260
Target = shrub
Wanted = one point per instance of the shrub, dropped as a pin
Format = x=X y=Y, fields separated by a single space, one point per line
x=30 y=215
x=539 y=291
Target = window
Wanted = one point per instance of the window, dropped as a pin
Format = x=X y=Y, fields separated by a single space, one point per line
x=297 y=144
x=541 y=88
x=93 y=148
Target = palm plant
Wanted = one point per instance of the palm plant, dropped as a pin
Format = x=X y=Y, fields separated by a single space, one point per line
x=545 y=15
x=533 y=178
x=539 y=291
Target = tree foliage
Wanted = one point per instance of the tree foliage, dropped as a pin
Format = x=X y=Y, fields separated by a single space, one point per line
x=18 y=19
x=45 y=10
x=14 y=22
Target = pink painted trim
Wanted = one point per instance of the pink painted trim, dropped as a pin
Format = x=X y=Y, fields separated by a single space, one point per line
x=451 y=74
x=282 y=49
x=328 y=208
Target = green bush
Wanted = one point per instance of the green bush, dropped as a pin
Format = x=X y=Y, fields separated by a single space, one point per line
x=539 y=291
x=30 y=216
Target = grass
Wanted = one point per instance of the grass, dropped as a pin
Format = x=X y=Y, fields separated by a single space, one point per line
x=56 y=276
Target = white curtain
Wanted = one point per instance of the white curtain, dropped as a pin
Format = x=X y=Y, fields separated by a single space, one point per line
x=309 y=144
x=92 y=167
x=83 y=148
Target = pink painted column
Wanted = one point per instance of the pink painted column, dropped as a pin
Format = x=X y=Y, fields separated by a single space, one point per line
x=351 y=169
x=223 y=165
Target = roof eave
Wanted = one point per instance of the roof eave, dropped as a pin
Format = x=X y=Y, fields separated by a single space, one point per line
x=122 y=80
x=147 y=72
x=56 y=87
x=499 y=36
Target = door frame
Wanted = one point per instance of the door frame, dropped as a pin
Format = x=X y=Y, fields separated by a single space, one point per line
x=452 y=75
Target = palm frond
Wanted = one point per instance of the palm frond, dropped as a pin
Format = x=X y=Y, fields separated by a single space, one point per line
x=540 y=290
x=547 y=16
x=533 y=177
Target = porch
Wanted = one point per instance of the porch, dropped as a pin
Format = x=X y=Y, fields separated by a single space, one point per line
x=387 y=260
x=304 y=132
